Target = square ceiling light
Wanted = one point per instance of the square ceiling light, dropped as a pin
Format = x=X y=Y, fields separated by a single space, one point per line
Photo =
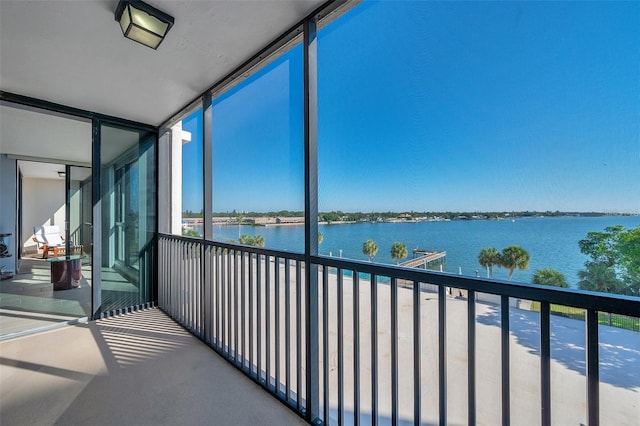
x=143 y=23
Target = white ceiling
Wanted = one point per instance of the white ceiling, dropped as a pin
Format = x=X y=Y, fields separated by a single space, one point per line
x=73 y=52
x=30 y=169
x=28 y=133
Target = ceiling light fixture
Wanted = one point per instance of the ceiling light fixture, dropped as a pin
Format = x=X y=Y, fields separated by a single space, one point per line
x=143 y=23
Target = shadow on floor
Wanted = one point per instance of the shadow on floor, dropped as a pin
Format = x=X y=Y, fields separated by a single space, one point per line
x=619 y=348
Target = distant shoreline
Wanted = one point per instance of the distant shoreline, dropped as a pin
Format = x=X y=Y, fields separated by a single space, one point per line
x=251 y=218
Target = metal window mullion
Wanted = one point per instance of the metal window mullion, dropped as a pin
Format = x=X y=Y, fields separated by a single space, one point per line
x=310 y=135
x=207 y=160
x=96 y=217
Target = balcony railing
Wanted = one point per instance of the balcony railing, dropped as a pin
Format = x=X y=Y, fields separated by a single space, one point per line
x=351 y=342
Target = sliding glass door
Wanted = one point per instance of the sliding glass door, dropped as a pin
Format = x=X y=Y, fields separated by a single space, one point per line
x=80 y=224
x=128 y=210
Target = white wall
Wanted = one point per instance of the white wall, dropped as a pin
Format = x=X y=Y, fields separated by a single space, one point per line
x=8 y=203
x=42 y=204
x=170 y=146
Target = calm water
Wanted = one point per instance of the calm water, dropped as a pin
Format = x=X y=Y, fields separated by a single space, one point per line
x=551 y=242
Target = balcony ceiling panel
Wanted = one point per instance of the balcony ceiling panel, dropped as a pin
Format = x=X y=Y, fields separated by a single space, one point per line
x=73 y=52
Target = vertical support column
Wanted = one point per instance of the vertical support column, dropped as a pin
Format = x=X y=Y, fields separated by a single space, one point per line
x=207 y=188
x=311 y=217
x=163 y=173
x=96 y=252
x=207 y=159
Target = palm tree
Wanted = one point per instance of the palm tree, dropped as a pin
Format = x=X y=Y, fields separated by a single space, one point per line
x=258 y=240
x=548 y=276
x=398 y=251
x=370 y=249
x=598 y=276
x=255 y=241
x=488 y=257
x=513 y=257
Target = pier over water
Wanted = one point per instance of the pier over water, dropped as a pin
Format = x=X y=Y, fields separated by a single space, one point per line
x=424 y=258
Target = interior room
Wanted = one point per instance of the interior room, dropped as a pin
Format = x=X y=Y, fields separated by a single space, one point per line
x=48 y=181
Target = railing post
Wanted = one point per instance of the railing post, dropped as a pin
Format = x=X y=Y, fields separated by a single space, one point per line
x=545 y=363
x=442 y=354
x=471 y=356
x=593 y=371
x=504 y=346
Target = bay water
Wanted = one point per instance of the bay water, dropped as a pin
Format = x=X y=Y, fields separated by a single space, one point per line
x=552 y=242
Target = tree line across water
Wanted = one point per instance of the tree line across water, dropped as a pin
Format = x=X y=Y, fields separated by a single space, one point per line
x=613 y=265
x=338 y=215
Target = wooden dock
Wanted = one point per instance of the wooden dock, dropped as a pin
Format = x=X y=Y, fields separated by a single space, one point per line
x=425 y=258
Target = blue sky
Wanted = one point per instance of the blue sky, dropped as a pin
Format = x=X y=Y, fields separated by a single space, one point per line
x=435 y=106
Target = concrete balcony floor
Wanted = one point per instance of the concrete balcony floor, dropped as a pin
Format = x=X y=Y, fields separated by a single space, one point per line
x=136 y=369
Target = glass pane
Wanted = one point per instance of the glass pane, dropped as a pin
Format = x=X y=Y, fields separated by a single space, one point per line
x=80 y=227
x=258 y=196
x=128 y=215
x=515 y=129
x=186 y=156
